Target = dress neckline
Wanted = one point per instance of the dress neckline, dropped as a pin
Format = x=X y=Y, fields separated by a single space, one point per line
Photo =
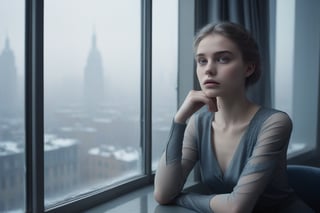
x=226 y=173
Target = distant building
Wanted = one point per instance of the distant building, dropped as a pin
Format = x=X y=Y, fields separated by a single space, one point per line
x=12 y=176
x=111 y=164
x=60 y=173
x=61 y=166
x=93 y=78
x=8 y=82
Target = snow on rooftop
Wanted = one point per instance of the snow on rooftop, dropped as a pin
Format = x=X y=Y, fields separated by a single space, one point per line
x=53 y=142
x=78 y=129
x=127 y=154
x=9 y=147
x=103 y=150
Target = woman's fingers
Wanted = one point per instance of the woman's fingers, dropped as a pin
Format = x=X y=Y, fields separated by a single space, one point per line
x=193 y=102
x=200 y=97
x=197 y=99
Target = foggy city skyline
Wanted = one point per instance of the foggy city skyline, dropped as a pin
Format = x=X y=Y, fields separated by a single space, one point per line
x=71 y=33
x=81 y=146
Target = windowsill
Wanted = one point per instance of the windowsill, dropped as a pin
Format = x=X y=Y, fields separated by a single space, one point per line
x=139 y=201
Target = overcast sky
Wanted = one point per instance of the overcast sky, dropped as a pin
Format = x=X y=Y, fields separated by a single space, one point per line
x=68 y=29
x=12 y=25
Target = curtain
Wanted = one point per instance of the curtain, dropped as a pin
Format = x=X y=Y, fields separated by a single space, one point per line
x=254 y=15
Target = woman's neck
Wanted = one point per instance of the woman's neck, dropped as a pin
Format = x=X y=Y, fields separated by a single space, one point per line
x=234 y=111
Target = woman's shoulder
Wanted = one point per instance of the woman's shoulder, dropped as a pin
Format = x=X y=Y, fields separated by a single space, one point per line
x=276 y=115
x=277 y=118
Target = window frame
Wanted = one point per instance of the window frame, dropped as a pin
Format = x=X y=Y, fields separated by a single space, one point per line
x=305 y=156
x=34 y=117
x=34 y=151
x=34 y=106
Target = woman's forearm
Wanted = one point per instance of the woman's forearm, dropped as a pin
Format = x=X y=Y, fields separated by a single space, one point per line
x=169 y=175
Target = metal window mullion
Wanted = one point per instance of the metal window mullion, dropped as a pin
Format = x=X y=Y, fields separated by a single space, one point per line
x=34 y=106
x=317 y=149
x=146 y=85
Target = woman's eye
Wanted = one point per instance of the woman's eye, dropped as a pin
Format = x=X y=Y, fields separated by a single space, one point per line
x=223 y=59
x=202 y=61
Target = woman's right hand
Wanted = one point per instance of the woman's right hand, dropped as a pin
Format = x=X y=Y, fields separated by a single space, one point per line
x=192 y=103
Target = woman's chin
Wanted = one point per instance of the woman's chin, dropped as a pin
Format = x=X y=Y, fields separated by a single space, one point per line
x=210 y=94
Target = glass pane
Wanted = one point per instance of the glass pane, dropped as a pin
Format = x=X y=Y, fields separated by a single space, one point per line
x=297 y=70
x=164 y=72
x=92 y=95
x=12 y=133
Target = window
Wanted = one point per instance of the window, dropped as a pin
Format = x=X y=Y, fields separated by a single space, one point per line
x=12 y=133
x=297 y=70
x=164 y=72
x=86 y=134
x=92 y=100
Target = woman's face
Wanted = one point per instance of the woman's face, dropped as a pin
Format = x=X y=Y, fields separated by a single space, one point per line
x=220 y=67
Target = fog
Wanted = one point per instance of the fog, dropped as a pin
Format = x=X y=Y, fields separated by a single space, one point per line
x=68 y=30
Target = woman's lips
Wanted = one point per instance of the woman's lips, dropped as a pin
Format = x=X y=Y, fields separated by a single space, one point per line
x=211 y=83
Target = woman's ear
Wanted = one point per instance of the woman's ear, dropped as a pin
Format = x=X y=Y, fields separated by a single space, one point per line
x=250 y=69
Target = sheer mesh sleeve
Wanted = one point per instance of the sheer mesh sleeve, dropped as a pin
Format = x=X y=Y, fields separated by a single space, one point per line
x=176 y=162
x=269 y=151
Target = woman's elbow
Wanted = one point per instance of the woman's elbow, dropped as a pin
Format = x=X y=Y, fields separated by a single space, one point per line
x=162 y=198
x=240 y=209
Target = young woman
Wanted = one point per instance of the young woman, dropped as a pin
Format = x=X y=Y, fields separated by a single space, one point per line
x=240 y=146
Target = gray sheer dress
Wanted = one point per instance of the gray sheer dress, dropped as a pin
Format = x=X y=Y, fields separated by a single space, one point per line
x=254 y=181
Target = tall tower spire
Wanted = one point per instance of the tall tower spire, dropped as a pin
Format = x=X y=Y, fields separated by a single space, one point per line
x=94 y=41
x=7 y=43
x=8 y=81
x=93 y=78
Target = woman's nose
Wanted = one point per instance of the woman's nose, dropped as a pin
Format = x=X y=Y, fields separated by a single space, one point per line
x=210 y=69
